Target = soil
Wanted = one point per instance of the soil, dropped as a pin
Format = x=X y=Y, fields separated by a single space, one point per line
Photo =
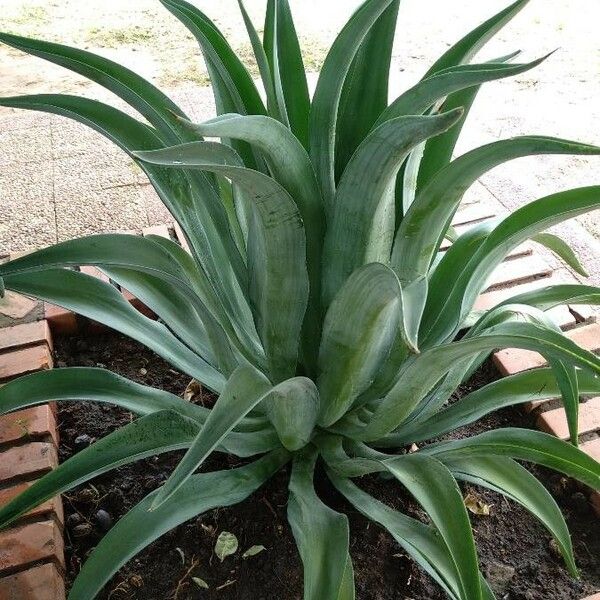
x=513 y=547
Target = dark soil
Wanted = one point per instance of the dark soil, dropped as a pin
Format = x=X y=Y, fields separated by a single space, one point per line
x=511 y=543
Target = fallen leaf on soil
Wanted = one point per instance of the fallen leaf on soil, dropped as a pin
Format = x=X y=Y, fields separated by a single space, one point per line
x=477 y=506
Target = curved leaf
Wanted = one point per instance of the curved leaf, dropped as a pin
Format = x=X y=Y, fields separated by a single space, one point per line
x=561 y=249
x=436 y=490
x=326 y=100
x=529 y=386
x=322 y=536
x=361 y=227
x=359 y=329
x=523 y=444
x=244 y=390
x=140 y=527
x=99 y=301
x=507 y=477
x=156 y=433
x=276 y=250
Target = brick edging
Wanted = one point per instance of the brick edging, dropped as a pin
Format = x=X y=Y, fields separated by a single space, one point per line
x=31 y=549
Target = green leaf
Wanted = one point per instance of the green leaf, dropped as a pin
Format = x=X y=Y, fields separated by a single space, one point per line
x=227 y=544
x=290 y=166
x=321 y=535
x=420 y=541
x=140 y=527
x=555 y=295
x=285 y=58
x=361 y=227
x=156 y=433
x=436 y=490
x=263 y=64
x=359 y=111
x=244 y=390
x=359 y=330
x=99 y=301
x=326 y=100
x=421 y=232
x=421 y=375
x=292 y=407
x=429 y=91
x=507 y=477
x=97 y=385
x=523 y=444
x=276 y=250
x=130 y=87
x=253 y=551
x=529 y=386
x=455 y=301
x=561 y=249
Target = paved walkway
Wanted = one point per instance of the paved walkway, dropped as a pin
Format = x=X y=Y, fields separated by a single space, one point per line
x=59 y=180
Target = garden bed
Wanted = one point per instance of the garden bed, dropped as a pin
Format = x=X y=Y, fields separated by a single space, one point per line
x=515 y=550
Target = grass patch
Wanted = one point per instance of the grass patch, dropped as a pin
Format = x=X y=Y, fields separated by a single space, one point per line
x=28 y=21
x=120 y=36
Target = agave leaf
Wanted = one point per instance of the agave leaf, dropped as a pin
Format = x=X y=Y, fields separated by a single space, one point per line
x=507 y=477
x=561 y=249
x=424 y=225
x=263 y=64
x=321 y=534
x=244 y=390
x=99 y=301
x=156 y=433
x=436 y=490
x=529 y=386
x=524 y=223
x=555 y=295
x=276 y=251
x=362 y=227
x=420 y=541
x=293 y=407
x=420 y=376
x=232 y=85
x=326 y=100
x=429 y=91
x=217 y=51
x=285 y=58
x=290 y=166
x=359 y=329
x=359 y=111
x=97 y=385
x=139 y=527
x=188 y=196
x=130 y=87
x=523 y=444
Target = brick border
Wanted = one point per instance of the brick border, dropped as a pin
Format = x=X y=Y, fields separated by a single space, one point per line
x=31 y=552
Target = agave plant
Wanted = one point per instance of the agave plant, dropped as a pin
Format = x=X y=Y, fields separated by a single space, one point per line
x=315 y=302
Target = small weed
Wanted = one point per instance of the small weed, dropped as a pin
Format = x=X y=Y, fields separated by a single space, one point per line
x=120 y=36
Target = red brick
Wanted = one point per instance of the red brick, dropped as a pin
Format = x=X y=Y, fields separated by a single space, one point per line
x=555 y=421
x=43 y=582
x=21 y=546
x=60 y=319
x=27 y=460
x=36 y=421
x=592 y=448
x=52 y=506
x=137 y=304
x=160 y=230
x=27 y=334
x=511 y=360
x=26 y=360
x=519 y=270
